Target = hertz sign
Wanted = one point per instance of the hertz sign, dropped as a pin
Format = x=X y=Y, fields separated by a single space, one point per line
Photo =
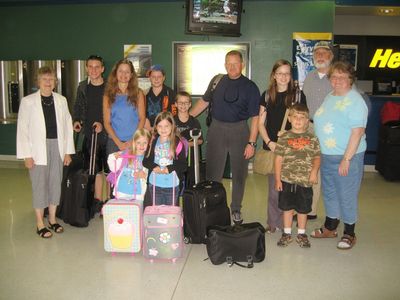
x=385 y=58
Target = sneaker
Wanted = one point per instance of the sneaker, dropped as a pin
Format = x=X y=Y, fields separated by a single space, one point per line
x=237 y=217
x=303 y=241
x=285 y=240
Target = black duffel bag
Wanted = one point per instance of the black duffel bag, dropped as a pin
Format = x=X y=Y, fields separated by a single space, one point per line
x=237 y=243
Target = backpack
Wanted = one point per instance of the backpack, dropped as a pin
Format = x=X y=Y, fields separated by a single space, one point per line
x=182 y=145
x=390 y=112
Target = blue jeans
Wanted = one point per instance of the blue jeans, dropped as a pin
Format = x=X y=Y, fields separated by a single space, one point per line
x=163 y=195
x=341 y=192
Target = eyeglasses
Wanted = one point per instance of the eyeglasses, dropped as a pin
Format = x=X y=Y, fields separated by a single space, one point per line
x=339 y=78
x=282 y=74
x=183 y=103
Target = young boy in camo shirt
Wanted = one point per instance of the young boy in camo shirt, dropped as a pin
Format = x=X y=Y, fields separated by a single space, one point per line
x=296 y=166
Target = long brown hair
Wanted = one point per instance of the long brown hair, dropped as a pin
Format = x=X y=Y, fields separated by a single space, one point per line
x=112 y=88
x=272 y=86
x=166 y=115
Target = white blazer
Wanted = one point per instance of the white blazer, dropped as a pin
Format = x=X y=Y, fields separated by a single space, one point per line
x=31 y=128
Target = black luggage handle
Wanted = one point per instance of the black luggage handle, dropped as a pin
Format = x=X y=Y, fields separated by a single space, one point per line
x=231 y=262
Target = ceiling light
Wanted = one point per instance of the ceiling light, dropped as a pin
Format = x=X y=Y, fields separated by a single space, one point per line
x=386 y=11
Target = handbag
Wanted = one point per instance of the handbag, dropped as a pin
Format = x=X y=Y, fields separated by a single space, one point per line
x=264 y=160
x=236 y=243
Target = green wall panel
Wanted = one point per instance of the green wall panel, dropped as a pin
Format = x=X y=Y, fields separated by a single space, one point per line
x=75 y=31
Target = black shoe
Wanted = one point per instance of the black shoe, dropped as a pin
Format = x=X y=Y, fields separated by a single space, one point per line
x=311 y=217
x=237 y=217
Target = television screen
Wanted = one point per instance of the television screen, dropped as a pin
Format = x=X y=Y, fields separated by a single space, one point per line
x=217 y=17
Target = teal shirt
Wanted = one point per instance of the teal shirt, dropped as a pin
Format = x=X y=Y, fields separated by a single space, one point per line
x=163 y=159
x=335 y=119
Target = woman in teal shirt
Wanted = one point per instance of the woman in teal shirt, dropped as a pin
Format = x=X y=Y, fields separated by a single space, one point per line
x=340 y=127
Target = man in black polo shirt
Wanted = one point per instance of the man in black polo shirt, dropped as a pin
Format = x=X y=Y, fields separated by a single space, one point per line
x=235 y=99
x=88 y=113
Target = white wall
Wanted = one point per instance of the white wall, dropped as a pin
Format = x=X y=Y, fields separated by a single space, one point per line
x=366 y=25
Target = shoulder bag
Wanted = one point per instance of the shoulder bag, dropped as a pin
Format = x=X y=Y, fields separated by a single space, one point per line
x=264 y=159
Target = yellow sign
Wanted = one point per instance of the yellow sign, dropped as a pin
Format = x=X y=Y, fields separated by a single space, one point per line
x=385 y=59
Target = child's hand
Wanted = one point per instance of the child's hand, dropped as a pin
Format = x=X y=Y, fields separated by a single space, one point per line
x=158 y=170
x=278 y=185
x=140 y=174
x=313 y=178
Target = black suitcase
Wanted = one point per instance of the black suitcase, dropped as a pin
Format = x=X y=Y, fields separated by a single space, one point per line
x=204 y=205
x=77 y=204
x=388 y=153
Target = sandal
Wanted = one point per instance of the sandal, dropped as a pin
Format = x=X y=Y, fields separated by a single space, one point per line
x=44 y=233
x=346 y=242
x=57 y=228
x=322 y=233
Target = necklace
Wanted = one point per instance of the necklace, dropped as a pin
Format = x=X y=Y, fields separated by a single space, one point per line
x=48 y=101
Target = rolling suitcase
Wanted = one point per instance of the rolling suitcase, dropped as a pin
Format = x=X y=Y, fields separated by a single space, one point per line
x=162 y=230
x=204 y=204
x=77 y=191
x=388 y=153
x=122 y=226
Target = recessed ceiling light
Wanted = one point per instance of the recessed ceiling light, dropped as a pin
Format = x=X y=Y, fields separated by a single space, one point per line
x=386 y=10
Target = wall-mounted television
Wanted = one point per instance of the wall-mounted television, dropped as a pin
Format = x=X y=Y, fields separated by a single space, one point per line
x=213 y=17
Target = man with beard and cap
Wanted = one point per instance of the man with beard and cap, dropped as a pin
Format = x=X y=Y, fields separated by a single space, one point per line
x=316 y=86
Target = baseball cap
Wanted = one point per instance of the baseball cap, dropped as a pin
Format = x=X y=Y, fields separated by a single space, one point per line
x=323 y=44
x=159 y=68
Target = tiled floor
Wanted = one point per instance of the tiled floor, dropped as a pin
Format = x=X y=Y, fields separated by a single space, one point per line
x=73 y=265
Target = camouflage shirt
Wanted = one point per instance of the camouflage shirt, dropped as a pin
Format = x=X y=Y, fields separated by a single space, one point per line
x=298 y=151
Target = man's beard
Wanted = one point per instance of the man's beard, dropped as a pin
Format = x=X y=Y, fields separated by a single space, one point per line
x=323 y=65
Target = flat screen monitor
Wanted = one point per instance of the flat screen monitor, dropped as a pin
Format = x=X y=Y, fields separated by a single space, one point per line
x=196 y=63
x=213 y=17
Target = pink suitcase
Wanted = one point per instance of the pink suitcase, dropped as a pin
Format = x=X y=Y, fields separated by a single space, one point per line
x=123 y=226
x=163 y=231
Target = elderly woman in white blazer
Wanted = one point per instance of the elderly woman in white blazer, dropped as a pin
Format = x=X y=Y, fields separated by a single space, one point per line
x=45 y=142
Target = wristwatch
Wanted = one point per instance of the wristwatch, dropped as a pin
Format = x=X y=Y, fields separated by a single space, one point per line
x=253 y=144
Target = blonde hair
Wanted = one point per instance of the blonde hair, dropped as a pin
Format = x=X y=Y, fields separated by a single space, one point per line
x=300 y=109
x=139 y=133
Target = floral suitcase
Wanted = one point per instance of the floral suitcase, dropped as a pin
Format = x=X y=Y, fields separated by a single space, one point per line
x=123 y=226
x=163 y=232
